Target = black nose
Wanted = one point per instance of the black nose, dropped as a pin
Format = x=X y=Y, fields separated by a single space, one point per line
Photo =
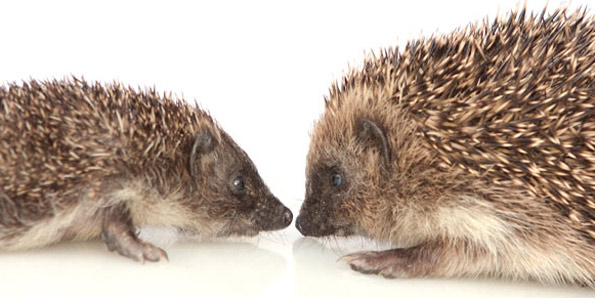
x=299 y=225
x=287 y=217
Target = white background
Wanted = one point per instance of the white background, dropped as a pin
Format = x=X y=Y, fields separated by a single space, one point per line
x=261 y=69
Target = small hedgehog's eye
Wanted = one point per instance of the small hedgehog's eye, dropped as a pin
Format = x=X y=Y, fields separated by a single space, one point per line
x=238 y=183
x=336 y=179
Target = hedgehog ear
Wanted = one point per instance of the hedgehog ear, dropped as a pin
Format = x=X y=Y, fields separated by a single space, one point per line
x=369 y=133
x=204 y=143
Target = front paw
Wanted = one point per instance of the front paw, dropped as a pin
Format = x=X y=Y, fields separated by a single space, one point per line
x=120 y=239
x=394 y=263
x=138 y=250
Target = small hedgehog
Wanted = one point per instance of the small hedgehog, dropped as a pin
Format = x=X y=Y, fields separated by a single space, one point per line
x=82 y=161
x=472 y=154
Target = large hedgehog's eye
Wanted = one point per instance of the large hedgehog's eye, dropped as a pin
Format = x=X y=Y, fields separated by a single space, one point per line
x=238 y=183
x=336 y=179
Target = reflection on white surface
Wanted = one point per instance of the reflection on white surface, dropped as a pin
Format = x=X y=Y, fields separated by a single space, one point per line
x=273 y=265
x=88 y=270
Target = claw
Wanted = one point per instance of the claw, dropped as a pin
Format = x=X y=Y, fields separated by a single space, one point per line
x=121 y=239
x=356 y=256
x=347 y=258
x=164 y=255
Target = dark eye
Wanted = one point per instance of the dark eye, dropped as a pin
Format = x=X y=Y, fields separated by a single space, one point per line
x=336 y=179
x=238 y=184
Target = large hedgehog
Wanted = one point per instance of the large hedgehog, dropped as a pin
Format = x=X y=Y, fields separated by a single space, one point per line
x=79 y=161
x=472 y=153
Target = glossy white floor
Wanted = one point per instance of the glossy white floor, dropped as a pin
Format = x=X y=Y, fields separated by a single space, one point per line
x=276 y=265
x=261 y=68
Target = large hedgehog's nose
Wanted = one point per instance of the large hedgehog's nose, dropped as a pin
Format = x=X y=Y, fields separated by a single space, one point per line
x=314 y=226
x=300 y=226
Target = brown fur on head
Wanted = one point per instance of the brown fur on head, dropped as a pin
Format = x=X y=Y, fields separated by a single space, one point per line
x=380 y=160
x=223 y=192
x=473 y=150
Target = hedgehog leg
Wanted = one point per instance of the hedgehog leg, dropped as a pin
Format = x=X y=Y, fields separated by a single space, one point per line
x=394 y=263
x=118 y=233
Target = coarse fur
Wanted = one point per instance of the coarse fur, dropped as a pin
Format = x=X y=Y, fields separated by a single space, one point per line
x=472 y=153
x=81 y=160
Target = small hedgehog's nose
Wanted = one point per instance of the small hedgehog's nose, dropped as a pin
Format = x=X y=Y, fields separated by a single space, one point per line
x=287 y=217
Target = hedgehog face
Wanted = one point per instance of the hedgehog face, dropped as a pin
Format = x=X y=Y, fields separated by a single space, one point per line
x=328 y=188
x=344 y=176
x=235 y=198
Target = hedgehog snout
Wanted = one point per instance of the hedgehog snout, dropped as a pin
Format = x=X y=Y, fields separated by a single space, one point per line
x=314 y=224
x=272 y=215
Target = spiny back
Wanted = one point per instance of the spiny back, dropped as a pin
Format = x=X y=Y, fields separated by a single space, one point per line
x=513 y=101
x=55 y=134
